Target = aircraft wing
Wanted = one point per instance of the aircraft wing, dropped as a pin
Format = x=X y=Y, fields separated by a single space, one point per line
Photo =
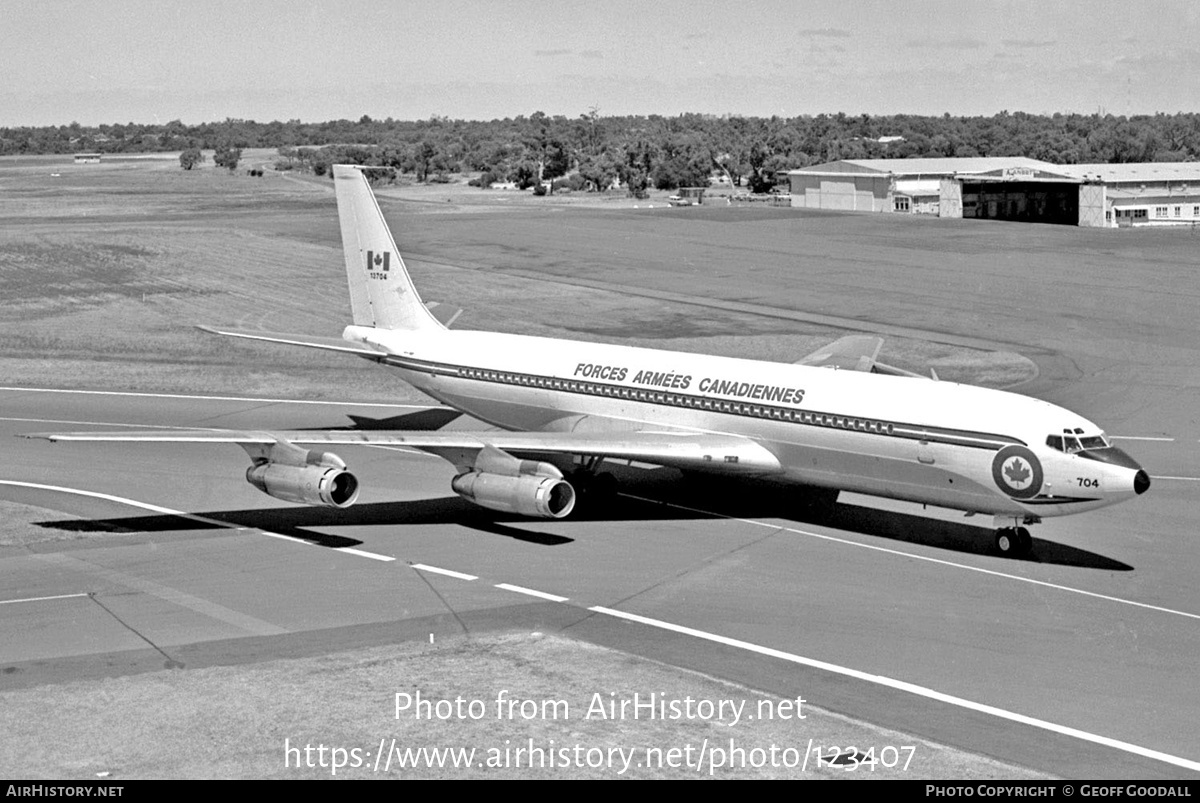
x=729 y=454
x=857 y=353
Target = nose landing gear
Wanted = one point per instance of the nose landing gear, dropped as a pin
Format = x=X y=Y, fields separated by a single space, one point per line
x=1013 y=542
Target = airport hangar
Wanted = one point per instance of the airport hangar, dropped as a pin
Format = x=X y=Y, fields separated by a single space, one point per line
x=1006 y=188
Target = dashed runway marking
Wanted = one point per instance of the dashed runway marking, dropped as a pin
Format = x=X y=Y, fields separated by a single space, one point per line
x=363 y=554
x=531 y=592
x=448 y=572
x=254 y=625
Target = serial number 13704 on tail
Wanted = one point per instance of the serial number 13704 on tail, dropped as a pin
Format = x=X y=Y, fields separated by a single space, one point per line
x=866 y=428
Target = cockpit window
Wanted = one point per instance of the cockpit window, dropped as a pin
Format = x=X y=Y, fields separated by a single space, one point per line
x=1072 y=441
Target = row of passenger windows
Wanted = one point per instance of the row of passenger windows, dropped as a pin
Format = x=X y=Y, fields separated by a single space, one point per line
x=683 y=400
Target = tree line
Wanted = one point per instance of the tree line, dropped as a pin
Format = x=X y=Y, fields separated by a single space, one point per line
x=641 y=151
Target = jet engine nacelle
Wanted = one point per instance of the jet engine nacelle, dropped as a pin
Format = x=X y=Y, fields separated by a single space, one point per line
x=326 y=486
x=545 y=497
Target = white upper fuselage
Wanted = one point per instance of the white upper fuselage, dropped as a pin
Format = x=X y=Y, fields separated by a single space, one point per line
x=939 y=443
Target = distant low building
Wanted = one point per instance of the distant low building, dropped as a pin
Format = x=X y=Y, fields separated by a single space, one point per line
x=1144 y=194
x=687 y=196
x=87 y=158
x=1005 y=188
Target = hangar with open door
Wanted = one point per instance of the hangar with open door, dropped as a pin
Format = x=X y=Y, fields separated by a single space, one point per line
x=995 y=187
x=1020 y=194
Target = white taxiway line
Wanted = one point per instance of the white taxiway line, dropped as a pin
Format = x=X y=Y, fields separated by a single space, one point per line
x=744 y=645
x=531 y=592
x=40 y=599
x=362 y=554
x=1139 y=438
x=927 y=559
x=131 y=502
x=190 y=516
x=911 y=688
x=223 y=398
x=448 y=572
x=880 y=680
x=280 y=536
x=104 y=424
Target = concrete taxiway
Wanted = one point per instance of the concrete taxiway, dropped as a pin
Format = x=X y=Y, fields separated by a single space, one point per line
x=1078 y=662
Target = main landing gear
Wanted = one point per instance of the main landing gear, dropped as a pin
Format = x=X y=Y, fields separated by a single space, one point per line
x=1015 y=541
x=595 y=489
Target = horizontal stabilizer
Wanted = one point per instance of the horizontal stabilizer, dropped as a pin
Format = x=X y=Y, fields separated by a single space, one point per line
x=445 y=314
x=308 y=341
x=850 y=353
x=884 y=368
x=857 y=353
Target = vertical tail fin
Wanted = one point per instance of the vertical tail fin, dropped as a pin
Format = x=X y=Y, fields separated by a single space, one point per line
x=381 y=293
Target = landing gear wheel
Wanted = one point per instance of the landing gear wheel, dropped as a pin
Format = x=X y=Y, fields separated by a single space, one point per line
x=1024 y=541
x=1006 y=541
x=1013 y=541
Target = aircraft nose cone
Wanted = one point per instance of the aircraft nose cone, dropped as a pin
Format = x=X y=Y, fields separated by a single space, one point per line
x=1141 y=482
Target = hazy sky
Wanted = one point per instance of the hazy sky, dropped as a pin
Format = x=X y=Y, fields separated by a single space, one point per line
x=157 y=60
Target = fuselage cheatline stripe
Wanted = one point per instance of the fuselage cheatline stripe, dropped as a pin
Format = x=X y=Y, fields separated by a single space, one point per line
x=975 y=440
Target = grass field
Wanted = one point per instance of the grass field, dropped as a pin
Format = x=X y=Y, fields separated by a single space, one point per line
x=197 y=723
x=106 y=269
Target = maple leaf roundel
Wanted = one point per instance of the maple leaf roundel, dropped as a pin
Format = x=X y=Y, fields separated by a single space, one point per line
x=1017 y=472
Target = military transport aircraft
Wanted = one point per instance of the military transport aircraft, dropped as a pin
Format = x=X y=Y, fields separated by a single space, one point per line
x=861 y=427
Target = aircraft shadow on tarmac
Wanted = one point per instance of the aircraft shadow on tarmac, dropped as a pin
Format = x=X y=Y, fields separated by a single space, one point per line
x=647 y=496
x=424 y=420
